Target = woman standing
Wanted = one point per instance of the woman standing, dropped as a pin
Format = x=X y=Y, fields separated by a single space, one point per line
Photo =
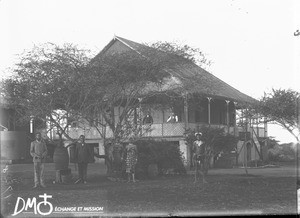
x=131 y=160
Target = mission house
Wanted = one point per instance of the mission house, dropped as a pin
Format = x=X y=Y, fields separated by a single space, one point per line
x=207 y=101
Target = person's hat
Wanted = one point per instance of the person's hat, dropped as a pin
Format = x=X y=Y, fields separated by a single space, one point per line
x=198 y=133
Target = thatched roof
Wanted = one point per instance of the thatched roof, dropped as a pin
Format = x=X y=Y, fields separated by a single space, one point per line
x=184 y=73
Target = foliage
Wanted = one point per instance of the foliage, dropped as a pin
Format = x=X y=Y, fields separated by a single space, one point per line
x=46 y=81
x=255 y=163
x=60 y=85
x=123 y=78
x=288 y=149
x=187 y=52
x=52 y=77
x=129 y=79
x=282 y=106
x=282 y=152
x=271 y=142
x=216 y=139
x=163 y=153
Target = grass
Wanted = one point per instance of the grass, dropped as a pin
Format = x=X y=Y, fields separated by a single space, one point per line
x=177 y=195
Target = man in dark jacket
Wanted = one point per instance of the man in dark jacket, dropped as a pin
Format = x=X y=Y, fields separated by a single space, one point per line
x=83 y=155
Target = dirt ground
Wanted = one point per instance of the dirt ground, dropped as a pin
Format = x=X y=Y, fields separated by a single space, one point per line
x=228 y=192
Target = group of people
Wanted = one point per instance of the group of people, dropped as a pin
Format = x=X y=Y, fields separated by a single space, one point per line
x=82 y=156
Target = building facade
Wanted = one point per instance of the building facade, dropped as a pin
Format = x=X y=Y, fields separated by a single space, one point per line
x=206 y=100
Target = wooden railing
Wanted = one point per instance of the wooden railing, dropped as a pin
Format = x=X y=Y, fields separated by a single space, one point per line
x=156 y=130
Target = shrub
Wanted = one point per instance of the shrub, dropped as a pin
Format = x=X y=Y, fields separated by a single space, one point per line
x=255 y=163
x=163 y=153
x=283 y=152
x=216 y=141
x=216 y=138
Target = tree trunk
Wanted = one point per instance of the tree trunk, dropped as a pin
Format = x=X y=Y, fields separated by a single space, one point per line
x=245 y=158
x=114 y=160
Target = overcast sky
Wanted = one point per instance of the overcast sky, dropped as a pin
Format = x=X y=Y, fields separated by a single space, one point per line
x=251 y=43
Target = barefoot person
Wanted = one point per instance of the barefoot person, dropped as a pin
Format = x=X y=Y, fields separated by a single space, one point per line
x=199 y=156
x=38 y=151
x=131 y=160
x=83 y=155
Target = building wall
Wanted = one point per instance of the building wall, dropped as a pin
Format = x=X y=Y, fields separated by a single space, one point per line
x=4 y=119
x=160 y=127
x=15 y=138
x=197 y=115
x=198 y=111
x=174 y=131
x=246 y=154
x=8 y=120
x=185 y=152
x=15 y=145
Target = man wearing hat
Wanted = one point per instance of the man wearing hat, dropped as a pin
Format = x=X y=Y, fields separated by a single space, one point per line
x=199 y=154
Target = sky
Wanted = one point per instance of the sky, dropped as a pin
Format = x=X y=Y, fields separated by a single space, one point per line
x=251 y=43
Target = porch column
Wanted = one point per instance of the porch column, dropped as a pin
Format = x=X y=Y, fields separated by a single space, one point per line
x=265 y=128
x=209 y=99
x=140 y=119
x=31 y=124
x=183 y=146
x=266 y=141
x=227 y=115
x=247 y=121
x=234 y=121
x=257 y=127
x=186 y=111
x=235 y=132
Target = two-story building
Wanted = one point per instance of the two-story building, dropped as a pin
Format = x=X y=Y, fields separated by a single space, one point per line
x=206 y=100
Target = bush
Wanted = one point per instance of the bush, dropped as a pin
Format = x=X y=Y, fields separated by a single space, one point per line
x=216 y=141
x=282 y=153
x=255 y=163
x=165 y=154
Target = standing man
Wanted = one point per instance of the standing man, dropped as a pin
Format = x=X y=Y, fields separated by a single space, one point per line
x=38 y=151
x=199 y=156
x=83 y=156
